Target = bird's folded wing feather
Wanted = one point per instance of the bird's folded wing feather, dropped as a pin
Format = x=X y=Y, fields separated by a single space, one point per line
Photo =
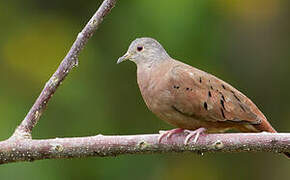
x=204 y=96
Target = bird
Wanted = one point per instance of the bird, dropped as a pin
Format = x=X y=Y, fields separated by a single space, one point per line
x=194 y=101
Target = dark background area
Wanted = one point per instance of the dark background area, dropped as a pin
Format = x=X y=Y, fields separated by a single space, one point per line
x=245 y=43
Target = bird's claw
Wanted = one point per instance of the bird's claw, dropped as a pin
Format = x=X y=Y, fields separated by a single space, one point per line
x=195 y=133
x=169 y=133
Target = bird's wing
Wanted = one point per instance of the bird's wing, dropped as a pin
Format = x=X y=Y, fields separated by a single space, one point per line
x=204 y=96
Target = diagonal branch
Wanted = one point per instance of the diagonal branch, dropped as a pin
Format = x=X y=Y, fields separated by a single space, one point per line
x=100 y=146
x=70 y=60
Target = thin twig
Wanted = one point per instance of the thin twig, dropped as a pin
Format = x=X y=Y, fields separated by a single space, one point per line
x=70 y=60
x=100 y=146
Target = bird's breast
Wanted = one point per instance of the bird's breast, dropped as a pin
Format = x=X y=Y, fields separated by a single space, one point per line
x=153 y=90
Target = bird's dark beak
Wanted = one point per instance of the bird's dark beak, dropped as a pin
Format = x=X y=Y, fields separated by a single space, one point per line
x=123 y=58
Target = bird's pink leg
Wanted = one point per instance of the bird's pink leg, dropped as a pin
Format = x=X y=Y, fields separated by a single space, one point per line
x=169 y=133
x=195 y=133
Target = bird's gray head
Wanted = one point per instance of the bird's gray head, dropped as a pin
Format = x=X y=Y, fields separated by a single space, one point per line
x=145 y=51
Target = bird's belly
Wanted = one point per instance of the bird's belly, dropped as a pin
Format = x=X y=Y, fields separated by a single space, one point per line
x=191 y=123
x=162 y=107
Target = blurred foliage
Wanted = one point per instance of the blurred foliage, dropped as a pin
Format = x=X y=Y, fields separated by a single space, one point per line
x=245 y=43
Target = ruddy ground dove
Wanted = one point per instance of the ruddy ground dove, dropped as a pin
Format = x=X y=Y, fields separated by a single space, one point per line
x=188 y=98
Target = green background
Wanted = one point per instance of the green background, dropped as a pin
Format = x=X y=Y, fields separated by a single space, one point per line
x=245 y=43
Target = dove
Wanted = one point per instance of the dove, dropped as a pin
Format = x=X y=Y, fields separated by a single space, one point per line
x=194 y=101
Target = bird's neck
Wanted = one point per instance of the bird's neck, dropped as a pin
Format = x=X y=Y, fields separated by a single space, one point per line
x=148 y=76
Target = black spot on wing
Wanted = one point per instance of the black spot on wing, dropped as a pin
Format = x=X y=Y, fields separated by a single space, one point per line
x=209 y=94
x=205 y=105
x=223 y=104
x=223 y=97
x=242 y=107
x=235 y=96
x=223 y=114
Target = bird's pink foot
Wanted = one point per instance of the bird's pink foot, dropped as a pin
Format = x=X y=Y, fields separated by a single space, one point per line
x=195 y=133
x=169 y=133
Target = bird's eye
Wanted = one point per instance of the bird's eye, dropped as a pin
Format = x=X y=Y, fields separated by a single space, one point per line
x=139 y=48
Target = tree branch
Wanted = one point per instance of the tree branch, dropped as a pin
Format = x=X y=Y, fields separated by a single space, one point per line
x=100 y=146
x=70 y=60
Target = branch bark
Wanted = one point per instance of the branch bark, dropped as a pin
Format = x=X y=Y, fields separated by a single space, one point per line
x=100 y=146
x=71 y=60
x=21 y=147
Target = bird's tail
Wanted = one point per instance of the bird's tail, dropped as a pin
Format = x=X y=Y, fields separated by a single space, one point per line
x=266 y=126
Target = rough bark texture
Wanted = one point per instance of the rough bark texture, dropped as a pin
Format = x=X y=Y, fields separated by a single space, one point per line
x=21 y=147
x=101 y=146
